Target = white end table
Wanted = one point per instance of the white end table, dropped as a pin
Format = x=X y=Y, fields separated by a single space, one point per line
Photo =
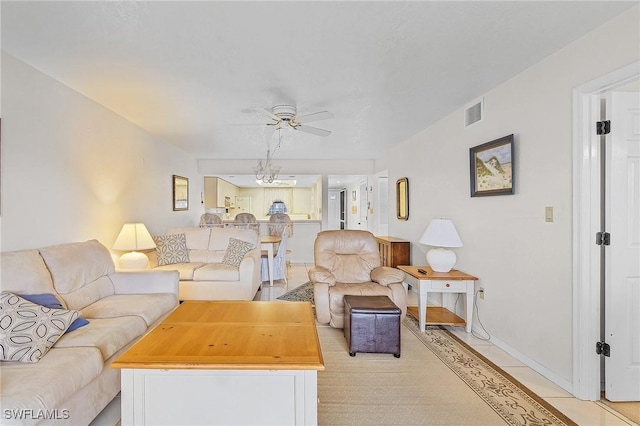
x=453 y=281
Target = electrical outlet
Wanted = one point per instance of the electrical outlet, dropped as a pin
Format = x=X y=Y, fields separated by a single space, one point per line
x=481 y=291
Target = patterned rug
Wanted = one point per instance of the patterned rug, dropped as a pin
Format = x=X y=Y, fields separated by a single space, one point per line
x=303 y=293
x=513 y=401
x=510 y=399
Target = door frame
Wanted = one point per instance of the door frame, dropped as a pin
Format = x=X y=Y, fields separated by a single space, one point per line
x=586 y=222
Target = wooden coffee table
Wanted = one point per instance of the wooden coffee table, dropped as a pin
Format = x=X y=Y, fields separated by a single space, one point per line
x=224 y=362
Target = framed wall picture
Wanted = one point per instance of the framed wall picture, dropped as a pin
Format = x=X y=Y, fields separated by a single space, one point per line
x=180 y=193
x=492 y=168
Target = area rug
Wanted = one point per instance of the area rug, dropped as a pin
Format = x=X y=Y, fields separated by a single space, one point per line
x=437 y=380
x=303 y=293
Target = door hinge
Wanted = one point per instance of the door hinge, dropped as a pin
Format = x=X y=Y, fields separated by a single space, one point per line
x=603 y=348
x=603 y=127
x=603 y=238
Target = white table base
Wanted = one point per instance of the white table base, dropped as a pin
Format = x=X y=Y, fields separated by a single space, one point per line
x=219 y=397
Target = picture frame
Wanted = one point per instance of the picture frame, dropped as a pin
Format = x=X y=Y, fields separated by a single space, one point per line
x=492 y=168
x=402 y=198
x=180 y=193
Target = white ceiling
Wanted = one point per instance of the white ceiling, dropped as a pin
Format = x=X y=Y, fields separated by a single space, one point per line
x=184 y=71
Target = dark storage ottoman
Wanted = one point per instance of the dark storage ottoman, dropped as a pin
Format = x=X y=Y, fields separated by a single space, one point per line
x=372 y=324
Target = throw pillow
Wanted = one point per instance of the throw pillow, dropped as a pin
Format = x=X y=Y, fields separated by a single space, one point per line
x=235 y=251
x=51 y=301
x=171 y=249
x=28 y=330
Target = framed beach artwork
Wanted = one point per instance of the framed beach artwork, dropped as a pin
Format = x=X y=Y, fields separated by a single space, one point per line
x=492 y=168
x=180 y=193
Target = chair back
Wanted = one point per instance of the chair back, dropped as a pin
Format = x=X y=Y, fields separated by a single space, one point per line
x=279 y=224
x=210 y=220
x=350 y=255
x=245 y=218
x=246 y=221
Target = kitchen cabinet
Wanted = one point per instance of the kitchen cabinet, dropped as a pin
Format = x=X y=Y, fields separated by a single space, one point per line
x=218 y=193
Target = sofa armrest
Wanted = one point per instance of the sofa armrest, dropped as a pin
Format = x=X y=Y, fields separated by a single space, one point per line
x=145 y=282
x=385 y=275
x=319 y=274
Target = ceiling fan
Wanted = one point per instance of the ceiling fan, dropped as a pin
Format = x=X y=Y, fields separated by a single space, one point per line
x=284 y=117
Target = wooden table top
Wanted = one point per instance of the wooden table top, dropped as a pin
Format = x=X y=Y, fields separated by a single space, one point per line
x=230 y=335
x=270 y=239
x=453 y=275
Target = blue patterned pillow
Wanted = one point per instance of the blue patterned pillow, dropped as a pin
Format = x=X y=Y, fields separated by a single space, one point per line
x=28 y=330
x=171 y=249
x=51 y=301
x=235 y=251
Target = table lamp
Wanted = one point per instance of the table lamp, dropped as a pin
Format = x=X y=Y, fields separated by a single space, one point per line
x=441 y=233
x=133 y=237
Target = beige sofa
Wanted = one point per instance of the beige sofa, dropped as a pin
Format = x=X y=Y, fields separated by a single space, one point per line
x=73 y=381
x=204 y=276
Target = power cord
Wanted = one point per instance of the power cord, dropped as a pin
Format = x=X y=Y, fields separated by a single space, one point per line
x=475 y=307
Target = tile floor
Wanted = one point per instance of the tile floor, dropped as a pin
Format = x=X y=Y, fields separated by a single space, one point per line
x=584 y=413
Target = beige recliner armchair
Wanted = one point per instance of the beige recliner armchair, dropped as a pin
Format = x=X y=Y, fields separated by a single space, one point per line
x=347 y=262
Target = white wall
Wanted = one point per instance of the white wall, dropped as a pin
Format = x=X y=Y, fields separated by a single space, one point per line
x=73 y=170
x=524 y=263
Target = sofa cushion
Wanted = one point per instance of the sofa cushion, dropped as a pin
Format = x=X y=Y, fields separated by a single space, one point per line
x=74 y=265
x=236 y=251
x=199 y=256
x=29 y=330
x=171 y=249
x=220 y=237
x=217 y=272
x=51 y=301
x=107 y=334
x=149 y=307
x=89 y=293
x=25 y=272
x=50 y=382
x=186 y=270
x=197 y=238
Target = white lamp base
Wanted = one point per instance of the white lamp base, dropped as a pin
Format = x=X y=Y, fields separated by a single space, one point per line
x=133 y=260
x=441 y=259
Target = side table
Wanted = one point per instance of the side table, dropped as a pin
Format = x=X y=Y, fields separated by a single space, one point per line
x=453 y=281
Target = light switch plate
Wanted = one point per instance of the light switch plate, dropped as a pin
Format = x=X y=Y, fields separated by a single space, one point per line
x=548 y=214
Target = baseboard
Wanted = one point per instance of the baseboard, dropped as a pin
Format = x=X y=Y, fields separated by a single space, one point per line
x=529 y=362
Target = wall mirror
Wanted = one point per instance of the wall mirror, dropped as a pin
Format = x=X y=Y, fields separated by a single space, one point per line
x=402 y=198
x=180 y=193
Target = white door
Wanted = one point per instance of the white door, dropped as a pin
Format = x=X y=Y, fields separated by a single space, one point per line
x=364 y=206
x=622 y=258
x=333 y=209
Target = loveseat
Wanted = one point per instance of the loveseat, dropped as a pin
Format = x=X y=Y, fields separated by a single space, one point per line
x=213 y=263
x=72 y=381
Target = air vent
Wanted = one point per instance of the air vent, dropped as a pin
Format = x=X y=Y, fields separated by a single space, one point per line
x=474 y=113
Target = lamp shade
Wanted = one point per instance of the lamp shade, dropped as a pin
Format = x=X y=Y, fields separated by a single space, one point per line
x=441 y=233
x=134 y=236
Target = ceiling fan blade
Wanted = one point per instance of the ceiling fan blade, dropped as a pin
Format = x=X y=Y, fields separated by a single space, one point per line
x=313 y=130
x=262 y=111
x=316 y=116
